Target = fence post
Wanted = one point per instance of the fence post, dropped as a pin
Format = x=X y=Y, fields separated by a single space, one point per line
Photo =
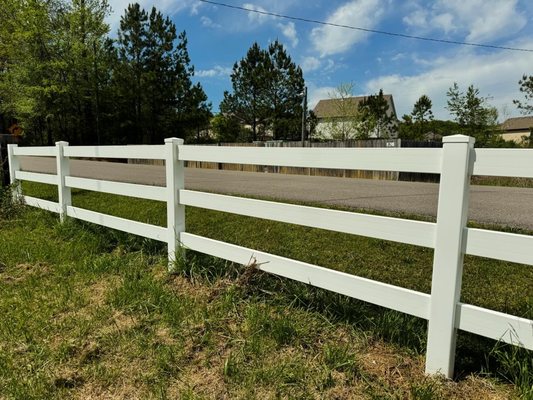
x=175 y=178
x=457 y=161
x=14 y=165
x=63 y=169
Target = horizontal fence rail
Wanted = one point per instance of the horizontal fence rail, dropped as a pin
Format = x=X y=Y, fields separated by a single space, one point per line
x=382 y=294
x=36 y=177
x=35 y=151
x=394 y=229
x=503 y=162
x=121 y=224
x=377 y=159
x=124 y=189
x=143 y=152
x=456 y=161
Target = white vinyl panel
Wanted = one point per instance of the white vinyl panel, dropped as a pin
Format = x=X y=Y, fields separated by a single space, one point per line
x=395 y=229
x=378 y=159
x=495 y=325
x=121 y=224
x=145 y=152
x=36 y=177
x=504 y=162
x=382 y=294
x=500 y=245
x=120 y=188
x=48 y=151
x=40 y=203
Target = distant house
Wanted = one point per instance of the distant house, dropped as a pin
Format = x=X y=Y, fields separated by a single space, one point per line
x=335 y=114
x=514 y=128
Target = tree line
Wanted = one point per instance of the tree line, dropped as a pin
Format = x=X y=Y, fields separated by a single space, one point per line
x=371 y=115
x=62 y=76
x=472 y=116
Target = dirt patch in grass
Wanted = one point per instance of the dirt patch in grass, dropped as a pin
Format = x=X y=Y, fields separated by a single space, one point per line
x=384 y=364
x=202 y=380
x=21 y=272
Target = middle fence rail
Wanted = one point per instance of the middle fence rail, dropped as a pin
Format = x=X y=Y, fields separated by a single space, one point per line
x=456 y=161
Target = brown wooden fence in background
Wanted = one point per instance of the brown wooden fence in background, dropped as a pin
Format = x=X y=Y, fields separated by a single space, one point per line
x=383 y=175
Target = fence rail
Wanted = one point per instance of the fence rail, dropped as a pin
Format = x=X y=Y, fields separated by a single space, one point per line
x=456 y=161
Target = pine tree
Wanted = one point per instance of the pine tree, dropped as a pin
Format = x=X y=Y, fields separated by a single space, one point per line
x=473 y=114
x=154 y=80
x=267 y=92
x=375 y=116
x=285 y=93
x=526 y=87
x=421 y=115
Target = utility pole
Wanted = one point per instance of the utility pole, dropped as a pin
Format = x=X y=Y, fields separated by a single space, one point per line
x=304 y=113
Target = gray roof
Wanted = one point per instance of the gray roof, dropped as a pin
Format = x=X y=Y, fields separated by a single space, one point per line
x=328 y=108
x=518 y=124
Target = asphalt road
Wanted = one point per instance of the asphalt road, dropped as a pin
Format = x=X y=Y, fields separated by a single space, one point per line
x=488 y=204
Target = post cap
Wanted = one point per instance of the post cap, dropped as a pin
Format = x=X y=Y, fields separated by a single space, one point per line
x=62 y=143
x=174 y=140
x=458 y=139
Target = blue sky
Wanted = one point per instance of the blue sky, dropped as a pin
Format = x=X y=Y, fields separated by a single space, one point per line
x=330 y=56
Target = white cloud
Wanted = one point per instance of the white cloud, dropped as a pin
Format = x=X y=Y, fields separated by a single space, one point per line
x=417 y=18
x=310 y=64
x=217 y=70
x=289 y=31
x=495 y=74
x=208 y=22
x=477 y=20
x=254 y=16
x=329 y=40
x=318 y=93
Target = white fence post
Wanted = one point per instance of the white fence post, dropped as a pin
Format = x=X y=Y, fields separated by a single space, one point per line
x=449 y=251
x=14 y=165
x=175 y=176
x=63 y=169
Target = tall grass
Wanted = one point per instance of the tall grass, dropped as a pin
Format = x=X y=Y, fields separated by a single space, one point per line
x=252 y=331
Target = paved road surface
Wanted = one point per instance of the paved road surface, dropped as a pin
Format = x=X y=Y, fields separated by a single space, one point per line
x=488 y=204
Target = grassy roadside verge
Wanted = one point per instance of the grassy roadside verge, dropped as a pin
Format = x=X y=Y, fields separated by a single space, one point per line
x=92 y=313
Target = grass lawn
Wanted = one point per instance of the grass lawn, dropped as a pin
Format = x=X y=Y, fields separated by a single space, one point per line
x=91 y=312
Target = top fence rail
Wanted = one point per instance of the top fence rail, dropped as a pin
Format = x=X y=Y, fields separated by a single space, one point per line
x=376 y=159
x=488 y=162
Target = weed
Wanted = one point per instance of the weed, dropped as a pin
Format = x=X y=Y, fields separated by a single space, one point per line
x=515 y=365
x=427 y=389
x=10 y=202
x=340 y=358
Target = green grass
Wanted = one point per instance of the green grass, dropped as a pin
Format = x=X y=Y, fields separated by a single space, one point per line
x=502 y=181
x=91 y=312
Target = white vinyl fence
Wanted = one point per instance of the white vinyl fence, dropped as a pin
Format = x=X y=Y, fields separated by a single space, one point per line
x=449 y=236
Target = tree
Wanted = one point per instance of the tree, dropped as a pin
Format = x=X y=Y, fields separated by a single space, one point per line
x=344 y=123
x=473 y=114
x=267 y=89
x=51 y=58
x=153 y=80
x=286 y=85
x=526 y=87
x=228 y=129
x=422 y=114
x=375 y=116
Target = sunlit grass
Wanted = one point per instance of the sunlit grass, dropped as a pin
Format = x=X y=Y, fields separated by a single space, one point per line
x=91 y=312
